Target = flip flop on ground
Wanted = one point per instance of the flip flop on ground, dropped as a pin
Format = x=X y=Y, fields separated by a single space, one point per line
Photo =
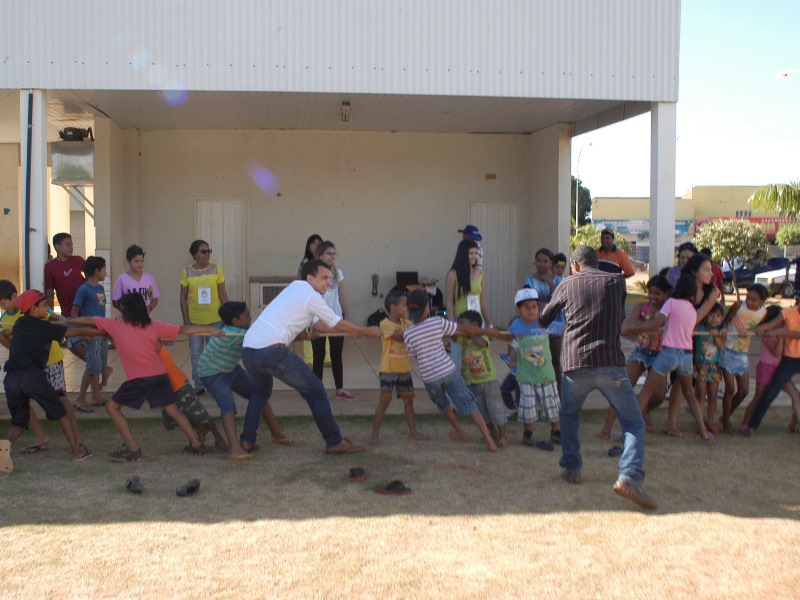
x=189 y=488
x=6 y=464
x=283 y=441
x=242 y=457
x=34 y=448
x=356 y=474
x=82 y=408
x=395 y=488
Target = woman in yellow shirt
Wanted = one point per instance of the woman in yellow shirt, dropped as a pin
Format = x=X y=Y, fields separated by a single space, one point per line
x=202 y=293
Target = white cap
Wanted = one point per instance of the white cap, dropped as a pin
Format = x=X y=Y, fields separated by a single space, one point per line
x=525 y=294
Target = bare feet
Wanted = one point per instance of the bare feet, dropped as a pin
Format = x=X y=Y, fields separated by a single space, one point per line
x=673 y=432
x=374 y=441
x=106 y=375
x=459 y=436
x=417 y=436
x=746 y=431
x=648 y=423
x=793 y=428
x=502 y=442
x=727 y=429
x=604 y=434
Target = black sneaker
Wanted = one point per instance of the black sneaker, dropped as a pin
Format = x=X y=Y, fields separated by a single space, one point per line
x=555 y=437
x=527 y=438
x=124 y=454
x=198 y=451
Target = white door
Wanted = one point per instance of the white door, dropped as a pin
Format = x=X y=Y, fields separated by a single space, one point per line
x=223 y=224
x=498 y=226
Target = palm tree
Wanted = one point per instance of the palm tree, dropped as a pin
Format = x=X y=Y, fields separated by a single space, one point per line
x=781 y=198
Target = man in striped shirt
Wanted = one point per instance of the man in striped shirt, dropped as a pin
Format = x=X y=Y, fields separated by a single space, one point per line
x=443 y=381
x=592 y=358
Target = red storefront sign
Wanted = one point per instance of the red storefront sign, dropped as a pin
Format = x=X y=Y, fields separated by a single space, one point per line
x=770 y=224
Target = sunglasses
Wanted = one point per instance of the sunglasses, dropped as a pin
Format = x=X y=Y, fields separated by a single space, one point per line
x=207 y=251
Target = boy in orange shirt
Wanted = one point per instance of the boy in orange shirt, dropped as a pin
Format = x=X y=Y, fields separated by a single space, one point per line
x=395 y=370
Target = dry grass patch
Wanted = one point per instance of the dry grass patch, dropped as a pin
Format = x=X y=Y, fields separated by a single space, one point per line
x=477 y=525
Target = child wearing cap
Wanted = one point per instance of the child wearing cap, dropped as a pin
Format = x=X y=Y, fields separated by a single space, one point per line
x=530 y=351
x=54 y=370
x=443 y=382
x=25 y=377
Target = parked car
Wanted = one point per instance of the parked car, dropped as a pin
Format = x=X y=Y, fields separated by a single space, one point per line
x=746 y=276
x=776 y=282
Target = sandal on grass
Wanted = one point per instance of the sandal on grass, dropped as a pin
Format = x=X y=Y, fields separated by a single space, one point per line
x=34 y=448
x=395 y=488
x=6 y=464
x=282 y=441
x=356 y=474
x=676 y=433
x=189 y=488
x=82 y=408
x=242 y=457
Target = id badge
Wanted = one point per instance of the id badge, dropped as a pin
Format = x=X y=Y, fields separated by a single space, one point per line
x=474 y=302
x=204 y=295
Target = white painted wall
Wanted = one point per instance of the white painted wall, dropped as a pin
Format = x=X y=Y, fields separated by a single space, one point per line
x=389 y=201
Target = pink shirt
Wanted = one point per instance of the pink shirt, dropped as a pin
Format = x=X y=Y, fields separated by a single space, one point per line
x=681 y=319
x=138 y=346
x=765 y=356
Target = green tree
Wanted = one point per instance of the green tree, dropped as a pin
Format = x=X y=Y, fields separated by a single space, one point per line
x=584 y=205
x=780 y=198
x=589 y=235
x=731 y=239
x=788 y=234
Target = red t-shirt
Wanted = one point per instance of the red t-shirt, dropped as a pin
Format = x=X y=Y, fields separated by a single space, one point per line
x=138 y=346
x=65 y=277
x=717 y=276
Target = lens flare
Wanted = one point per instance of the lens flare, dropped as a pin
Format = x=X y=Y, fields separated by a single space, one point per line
x=264 y=179
x=175 y=93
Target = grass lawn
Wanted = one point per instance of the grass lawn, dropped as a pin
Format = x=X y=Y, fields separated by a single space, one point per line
x=478 y=524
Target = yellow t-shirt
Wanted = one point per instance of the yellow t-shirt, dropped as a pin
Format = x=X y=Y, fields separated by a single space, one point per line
x=203 y=287
x=7 y=322
x=394 y=356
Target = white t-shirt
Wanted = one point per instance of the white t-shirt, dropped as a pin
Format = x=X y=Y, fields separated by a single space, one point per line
x=294 y=309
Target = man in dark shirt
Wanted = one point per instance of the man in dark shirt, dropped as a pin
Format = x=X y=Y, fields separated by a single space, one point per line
x=592 y=358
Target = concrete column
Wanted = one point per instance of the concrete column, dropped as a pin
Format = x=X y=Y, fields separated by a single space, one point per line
x=662 y=185
x=33 y=158
x=564 y=187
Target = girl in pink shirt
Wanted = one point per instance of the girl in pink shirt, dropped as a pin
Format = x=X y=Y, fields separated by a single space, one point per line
x=138 y=341
x=678 y=317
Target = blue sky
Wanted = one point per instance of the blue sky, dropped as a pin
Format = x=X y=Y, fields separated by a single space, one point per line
x=737 y=124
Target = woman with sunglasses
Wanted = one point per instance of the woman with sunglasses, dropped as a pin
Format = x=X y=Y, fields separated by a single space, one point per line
x=202 y=293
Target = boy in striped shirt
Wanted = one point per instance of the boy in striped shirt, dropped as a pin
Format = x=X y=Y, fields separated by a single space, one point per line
x=221 y=373
x=443 y=381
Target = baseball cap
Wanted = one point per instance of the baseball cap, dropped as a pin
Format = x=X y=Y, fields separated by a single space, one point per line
x=26 y=300
x=526 y=294
x=416 y=302
x=471 y=232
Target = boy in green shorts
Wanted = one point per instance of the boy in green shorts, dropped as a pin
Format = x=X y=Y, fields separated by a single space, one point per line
x=395 y=372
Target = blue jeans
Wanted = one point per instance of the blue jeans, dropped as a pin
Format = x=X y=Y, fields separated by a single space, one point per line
x=614 y=384
x=786 y=369
x=265 y=363
x=222 y=386
x=509 y=389
x=196 y=345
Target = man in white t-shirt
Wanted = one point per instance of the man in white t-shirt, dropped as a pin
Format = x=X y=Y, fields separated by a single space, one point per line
x=266 y=353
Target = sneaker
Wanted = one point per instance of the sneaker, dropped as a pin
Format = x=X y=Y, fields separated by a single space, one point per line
x=124 y=454
x=527 y=438
x=345 y=395
x=134 y=485
x=555 y=437
x=572 y=476
x=635 y=492
x=199 y=451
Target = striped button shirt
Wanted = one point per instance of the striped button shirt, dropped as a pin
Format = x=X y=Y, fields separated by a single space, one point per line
x=425 y=340
x=594 y=308
x=221 y=354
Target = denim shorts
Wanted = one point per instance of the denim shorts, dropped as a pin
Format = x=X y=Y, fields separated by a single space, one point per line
x=674 y=359
x=96 y=355
x=489 y=402
x=644 y=356
x=451 y=388
x=734 y=362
